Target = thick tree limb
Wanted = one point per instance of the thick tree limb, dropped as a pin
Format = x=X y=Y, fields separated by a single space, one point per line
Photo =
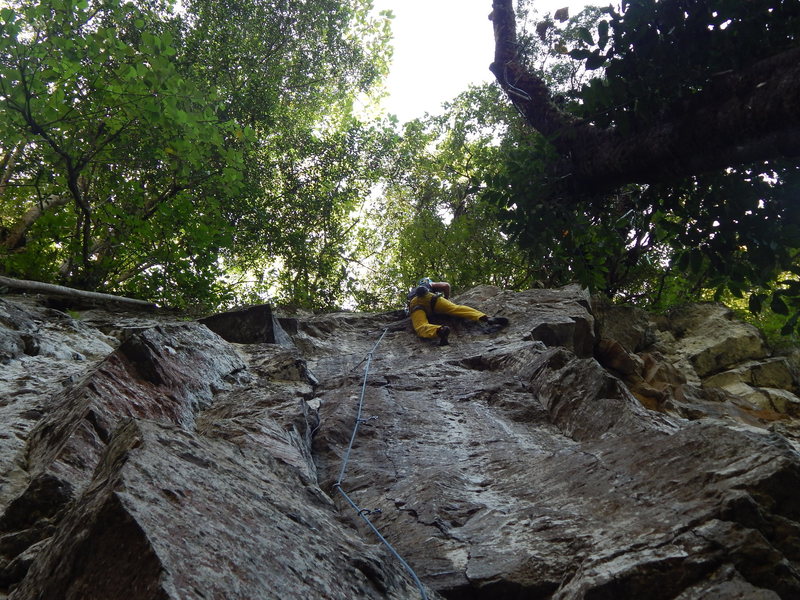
x=528 y=92
x=50 y=289
x=8 y=163
x=15 y=235
x=740 y=118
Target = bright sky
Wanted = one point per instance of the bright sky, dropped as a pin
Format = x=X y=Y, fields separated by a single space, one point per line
x=440 y=47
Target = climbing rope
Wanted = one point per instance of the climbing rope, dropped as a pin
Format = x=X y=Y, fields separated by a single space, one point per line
x=338 y=485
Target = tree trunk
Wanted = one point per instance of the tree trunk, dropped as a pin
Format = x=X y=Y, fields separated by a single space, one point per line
x=8 y=164
x=16 y=234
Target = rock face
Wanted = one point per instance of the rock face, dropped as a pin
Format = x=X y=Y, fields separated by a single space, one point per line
x=586 y=451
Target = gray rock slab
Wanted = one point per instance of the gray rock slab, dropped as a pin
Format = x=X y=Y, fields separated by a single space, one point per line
x=252 y=325
x=506 y=465
x=171 y=514
x=710 y=338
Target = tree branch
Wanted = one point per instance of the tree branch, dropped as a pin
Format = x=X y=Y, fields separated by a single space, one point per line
x=66 y=292
x=529 y=93
x=17 y=232
x=8 y=164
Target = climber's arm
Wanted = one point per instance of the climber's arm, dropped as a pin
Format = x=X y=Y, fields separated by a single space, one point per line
x=442 y=287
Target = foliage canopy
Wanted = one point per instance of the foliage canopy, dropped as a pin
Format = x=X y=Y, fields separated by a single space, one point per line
x=139 y=144
x=671 y=167
x=215 y=155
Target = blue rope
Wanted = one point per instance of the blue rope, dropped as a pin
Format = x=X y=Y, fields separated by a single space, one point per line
x=385 y=542
x=338 y=485
x=359 y=420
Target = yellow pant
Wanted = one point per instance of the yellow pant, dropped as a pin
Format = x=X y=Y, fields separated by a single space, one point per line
x=420 y=309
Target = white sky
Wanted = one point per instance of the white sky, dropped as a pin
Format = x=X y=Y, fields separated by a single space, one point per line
x=440 y=47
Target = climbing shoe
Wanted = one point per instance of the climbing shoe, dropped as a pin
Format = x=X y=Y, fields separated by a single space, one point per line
x=494 y=323
x=498 y=322
x=443 y=332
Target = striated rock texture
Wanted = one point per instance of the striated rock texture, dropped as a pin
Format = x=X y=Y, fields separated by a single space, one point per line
x=586 y=451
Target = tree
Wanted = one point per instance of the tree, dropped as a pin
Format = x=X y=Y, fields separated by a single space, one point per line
x=296 y=244
x=689 y=87
x=139 y=143
x=669 y=171
x=293 y=72
x=430 y=218
x=108 y=126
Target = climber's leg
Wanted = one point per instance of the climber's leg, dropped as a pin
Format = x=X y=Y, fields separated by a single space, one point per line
x=443 y=306
x=421 y=325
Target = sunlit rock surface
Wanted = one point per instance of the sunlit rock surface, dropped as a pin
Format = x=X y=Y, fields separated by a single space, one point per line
x=586 y=451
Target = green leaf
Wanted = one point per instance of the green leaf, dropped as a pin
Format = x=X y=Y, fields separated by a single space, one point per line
x=756 y=302
x=595 y=61
x=585 y=35
x=792 y=286
x=778 y=305
x=602 y=33
x=789 y=326
x=580 y=54
x=735 y=288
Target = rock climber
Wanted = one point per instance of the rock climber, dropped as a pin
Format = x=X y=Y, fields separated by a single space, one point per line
x=432 y=298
